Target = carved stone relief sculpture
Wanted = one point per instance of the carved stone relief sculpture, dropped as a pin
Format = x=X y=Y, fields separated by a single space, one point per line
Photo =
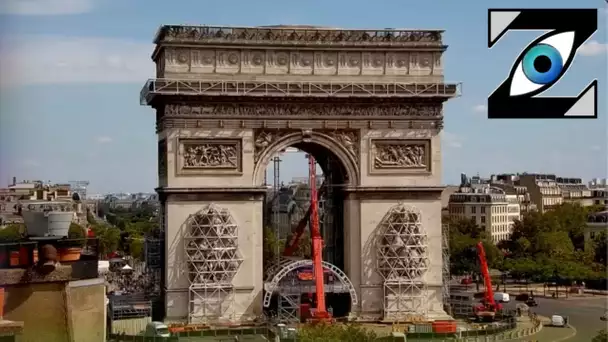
x=263 y=139
x=298 y=110
x=404 y=155
x=209 y=155
x=350 y=141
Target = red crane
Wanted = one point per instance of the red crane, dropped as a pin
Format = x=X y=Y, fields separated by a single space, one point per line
x=292 y=244
x=488 y=307
x=321 y=314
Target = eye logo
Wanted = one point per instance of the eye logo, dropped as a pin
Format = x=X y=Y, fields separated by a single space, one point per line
x=542 y=63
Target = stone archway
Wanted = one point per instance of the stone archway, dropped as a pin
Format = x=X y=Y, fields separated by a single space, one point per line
x=342 y=144
x=228 y=98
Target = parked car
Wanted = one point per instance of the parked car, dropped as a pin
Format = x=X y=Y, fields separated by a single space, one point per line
x=466 y=281
x=522 y=297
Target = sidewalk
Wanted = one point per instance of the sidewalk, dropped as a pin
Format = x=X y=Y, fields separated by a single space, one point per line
x=549 y=333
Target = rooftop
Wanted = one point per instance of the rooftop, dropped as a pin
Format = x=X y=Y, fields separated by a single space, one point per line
x=300 y=35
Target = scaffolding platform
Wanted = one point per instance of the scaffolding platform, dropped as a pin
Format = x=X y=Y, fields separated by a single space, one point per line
x=211 y=247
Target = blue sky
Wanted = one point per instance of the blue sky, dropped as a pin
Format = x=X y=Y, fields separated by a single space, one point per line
x=72 y=71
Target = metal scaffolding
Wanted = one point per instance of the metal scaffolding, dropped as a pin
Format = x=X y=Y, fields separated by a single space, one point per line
x=213 y=260
x=286 y=280
x=446 y=276
x=287 y=305
x=317 y=88
x=402 y=257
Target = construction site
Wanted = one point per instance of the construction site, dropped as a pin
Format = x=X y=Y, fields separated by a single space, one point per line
x=359 y=238
x=295 y=216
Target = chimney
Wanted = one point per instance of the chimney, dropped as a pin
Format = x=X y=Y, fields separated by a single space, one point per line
x=14 y=180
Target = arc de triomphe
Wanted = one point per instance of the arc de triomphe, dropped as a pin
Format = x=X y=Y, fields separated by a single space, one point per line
x=227 y=99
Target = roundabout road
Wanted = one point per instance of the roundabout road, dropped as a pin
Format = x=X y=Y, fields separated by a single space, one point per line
x=583 y=313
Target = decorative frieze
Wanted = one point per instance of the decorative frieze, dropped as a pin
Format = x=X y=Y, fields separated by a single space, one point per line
x=334 y=111
x=411 y=156
x=169 y=123
x=198 y=156
x=323 y=62
x=291 y=35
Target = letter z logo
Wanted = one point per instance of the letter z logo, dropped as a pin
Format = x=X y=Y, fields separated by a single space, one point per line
x=542 y=64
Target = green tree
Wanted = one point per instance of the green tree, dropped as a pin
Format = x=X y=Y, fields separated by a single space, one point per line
x=76 y=231
x=109 y=238
x=551 y=246
x=600 y=247
x=12 y=232
x=90 y=217
x=602 y=336
x=136 y=247
x=335 y=333
x=464 y=236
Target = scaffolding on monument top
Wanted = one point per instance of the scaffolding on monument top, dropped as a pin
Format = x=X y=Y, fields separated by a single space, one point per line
x=402 y=260
x=213 y=259
x=316 y=88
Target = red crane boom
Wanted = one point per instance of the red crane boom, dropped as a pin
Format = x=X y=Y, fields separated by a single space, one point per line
x=487 y=309
x=485 y=273
x=292 y=244
x=317 y=244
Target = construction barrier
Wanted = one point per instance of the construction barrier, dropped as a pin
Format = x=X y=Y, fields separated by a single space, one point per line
x=506 y=331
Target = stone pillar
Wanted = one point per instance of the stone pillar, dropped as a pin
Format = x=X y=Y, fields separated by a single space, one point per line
x=209 y=176
x=352 y=248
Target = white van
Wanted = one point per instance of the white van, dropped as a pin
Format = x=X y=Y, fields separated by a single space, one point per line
x=502 y=297
x=558 y=321
x=157 y=329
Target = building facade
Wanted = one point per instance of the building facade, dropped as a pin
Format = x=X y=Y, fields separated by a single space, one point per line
x=19 y=194
x=513 y=210
x=489 y=207
x=599 y=196
x=575 y=191
x=597 y=223
x=544 y=190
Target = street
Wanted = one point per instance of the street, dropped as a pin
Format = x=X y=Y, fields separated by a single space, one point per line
x=583 y=314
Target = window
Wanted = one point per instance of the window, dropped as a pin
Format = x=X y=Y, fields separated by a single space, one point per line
x=483 y=210
x=473 y=210
x=483 y=219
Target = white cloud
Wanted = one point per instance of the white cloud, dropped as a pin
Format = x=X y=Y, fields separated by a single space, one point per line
x=480 y=109
x=46 y=7
x=104 y=140
x=593 y=48
x=40 y=59
x=451 y=140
